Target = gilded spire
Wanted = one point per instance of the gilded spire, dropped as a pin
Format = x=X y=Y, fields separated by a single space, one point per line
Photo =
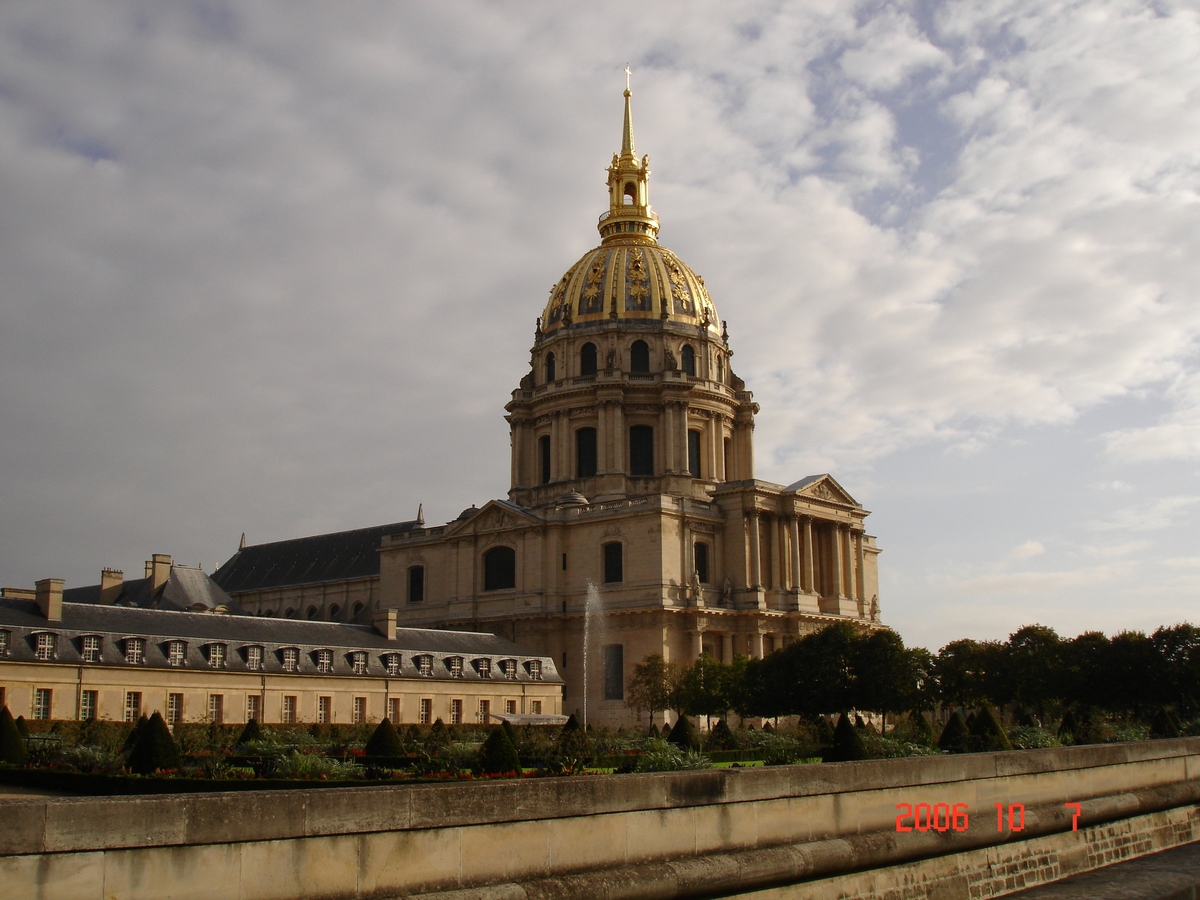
x=629 y=217
x=627 y=149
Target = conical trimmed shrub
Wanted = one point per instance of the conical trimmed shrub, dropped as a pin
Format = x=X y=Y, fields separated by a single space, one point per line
x=384 y=740
x=12 y=745
x=955 y=736
x=133 y=735
x=847 y=742
x=1161 y=725
x=987 y=734
x=155 y=749
x=684 y=735
x=438 y=738
x=720 y=738
x=498 y=756
x=573 y=741
x=825 y=733
x=22 y=726
x=510 y=731
x=653 y=732
x=252 y=732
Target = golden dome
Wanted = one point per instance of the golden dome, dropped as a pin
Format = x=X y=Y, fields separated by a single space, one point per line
x=629 y=276
x=634 y=279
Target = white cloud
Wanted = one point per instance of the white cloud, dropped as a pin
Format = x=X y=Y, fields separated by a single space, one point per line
x=1027 y=550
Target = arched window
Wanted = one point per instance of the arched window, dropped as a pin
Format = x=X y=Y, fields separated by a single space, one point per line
x=499 y=569
x=688 y=355
x=614 y=569
x=544 y=453
x=358 y=607
x=587 y=359
x=630 y=194
x=289 y=613
x=312 y=613
x=333 y=612
x=416 y=584
x=585 y=453
x=639 y=357
x=549 y=367
x=694 y=453
x=701 y=561
x=641 y=450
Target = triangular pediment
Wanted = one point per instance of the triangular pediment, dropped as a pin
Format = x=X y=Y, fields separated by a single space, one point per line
x=822 y=487
x=495 y=515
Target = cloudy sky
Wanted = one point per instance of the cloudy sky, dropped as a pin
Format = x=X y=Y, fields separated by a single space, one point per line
x=274 y=268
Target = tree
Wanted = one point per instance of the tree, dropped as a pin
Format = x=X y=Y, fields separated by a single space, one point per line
x=987 y=733
x=653 y=685
x=887 y=676
x=155 y=749
x=684 y=735
x=847 y=741
x=969 y=673
x=12 y=745
x=384 y=740
x=704 y=689
x=823 y=673
x=1033 y=657
x=1086 y=661
x=1179 y=649
x=498 y=756
x=1134 y=666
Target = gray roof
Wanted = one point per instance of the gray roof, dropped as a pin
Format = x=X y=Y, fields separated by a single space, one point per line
x=339 y=556
x=157 y=626
x=186 y=589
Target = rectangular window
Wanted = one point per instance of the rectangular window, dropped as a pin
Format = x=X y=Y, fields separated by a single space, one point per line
x=174 y=709
x=426 y=710
x=484 y=668
x=358 y=662
x=455 y=712
x=289 y=710
x=394 y=709
x=91 y=648
x=133 y=705
x=87 y=706
x=216 y=708
x=484 y=712
x=641 y=451
x=694 y=453
x=510 y=707
x=254 y=659
x=291 y=659
x=42 y=701
x=585 y=453
x=728 y=453
x=216 y=656
x=44 y=646
x=416 y=584
x=614 y=569
x=253 y=707
x=176 y=653
x=4 y=636
x=535 y=669
x=324 y=661
x=614 y=672
x=509 y=668
x=425 y=666
x=324 y=710
x=456 y=670
x=701 y=559
x=360 y=710
x=135 y=651
x=535 y=707
x=391 y=663
x=544 y=451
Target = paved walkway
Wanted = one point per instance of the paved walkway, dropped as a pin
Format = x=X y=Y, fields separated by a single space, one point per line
x=1169 y=875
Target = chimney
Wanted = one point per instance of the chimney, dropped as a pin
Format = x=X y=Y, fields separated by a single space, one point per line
x=384 y=621
x=49 y=598
x=158 y=570
x=111 y=582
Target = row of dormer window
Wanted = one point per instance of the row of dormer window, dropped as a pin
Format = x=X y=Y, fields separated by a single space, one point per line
x=639 y=360
x=133 y=650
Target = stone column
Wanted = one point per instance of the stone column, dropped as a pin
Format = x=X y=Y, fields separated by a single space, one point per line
x=797 y=572
x=776 y=553
x=620 y=438
x=755 y=580
x=668 y=438
x=697 y=643
x=714 y=448
x=848 y=560
x=727 y=648
x=810 y=581
x=603 y=438
x=517 y=439
x=839 y=574
x=756 y=645
x=860 y=584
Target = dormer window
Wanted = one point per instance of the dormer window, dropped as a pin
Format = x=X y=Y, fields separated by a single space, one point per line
x=324 y=661
x=135 y=651
x=484 y=668
x=45 y=646
x=176 y=653
x=509 y=668
x=4 y=639
x=358 y=662
x=216 y=656
x=454 y=664
x=291 y=659
x=89 y=648
x=424 y=666
x=534 y=668
x=254 y=659
x=391 y=663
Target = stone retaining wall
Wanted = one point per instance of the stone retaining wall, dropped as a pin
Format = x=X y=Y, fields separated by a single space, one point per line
x=671 y=834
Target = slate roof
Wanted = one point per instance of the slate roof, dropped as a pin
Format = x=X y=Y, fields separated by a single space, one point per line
x=186 y=589
x=116 y=623
x=339 y=556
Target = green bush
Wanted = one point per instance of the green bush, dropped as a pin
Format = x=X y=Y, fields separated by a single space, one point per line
x=1030 y=737
x=12 y=745
x=684 y=735
x=22 y=726
x=720 y=738
x=987 y=734
x=824 y=733
x=847 y=742
x=955 y=736
x=94 y=760
x=252 y=732
x=1067 y=728
x=313 y=766
x=437 y=742
x=155 y=749
x=1163 y=726
x=574 y=746
x=132 y=738
x=385 y=741
x=664 y=756
x=498 y=756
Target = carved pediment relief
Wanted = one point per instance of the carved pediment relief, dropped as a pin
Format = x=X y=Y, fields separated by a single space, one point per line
x=825 y=488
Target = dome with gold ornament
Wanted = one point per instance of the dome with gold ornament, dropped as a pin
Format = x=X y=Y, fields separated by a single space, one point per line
x=630 y=275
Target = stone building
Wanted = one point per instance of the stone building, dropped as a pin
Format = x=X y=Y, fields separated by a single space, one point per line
x=174 y=643
x=632 y=472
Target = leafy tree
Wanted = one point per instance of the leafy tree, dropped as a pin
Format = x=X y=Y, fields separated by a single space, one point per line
x=1179 y=649
x=498 y=756
x=12 y=745
x=823 y=670
x=969 y=673
x=1033 y=658
x=653 y=685
x=384 y=740
x=887 y=676
x=704 y=689
x=154 y=749
x=1134 y=664
x=1085 y=669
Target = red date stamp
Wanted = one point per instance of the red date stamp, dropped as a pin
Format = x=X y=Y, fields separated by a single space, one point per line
x=942 y=817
